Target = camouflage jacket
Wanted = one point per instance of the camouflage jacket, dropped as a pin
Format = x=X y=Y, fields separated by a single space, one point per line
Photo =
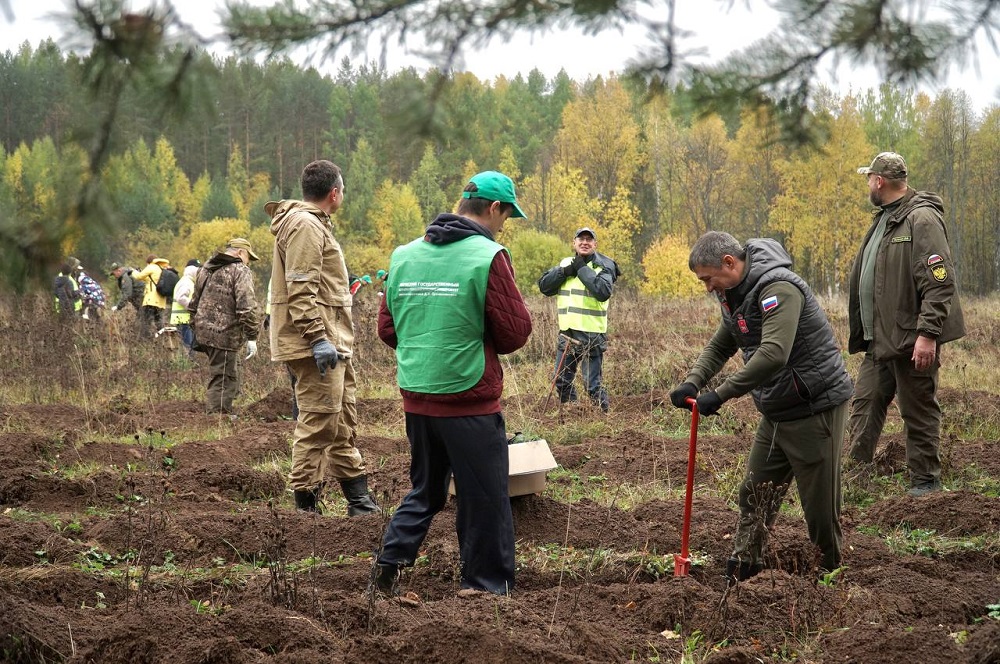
x=223 y=308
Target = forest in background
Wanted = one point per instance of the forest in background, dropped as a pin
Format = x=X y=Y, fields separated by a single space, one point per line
x=643 y=169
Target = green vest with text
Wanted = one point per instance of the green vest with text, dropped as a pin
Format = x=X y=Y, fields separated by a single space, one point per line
x=577 y=308
x=436 y=294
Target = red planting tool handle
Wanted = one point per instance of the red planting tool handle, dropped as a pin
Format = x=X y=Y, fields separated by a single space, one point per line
x=682 y=562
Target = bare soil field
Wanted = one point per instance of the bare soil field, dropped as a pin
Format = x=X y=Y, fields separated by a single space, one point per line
x=136 y=528
x=191 y=552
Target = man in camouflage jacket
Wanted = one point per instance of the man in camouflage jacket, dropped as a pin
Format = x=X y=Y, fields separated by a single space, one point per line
x=224 y=317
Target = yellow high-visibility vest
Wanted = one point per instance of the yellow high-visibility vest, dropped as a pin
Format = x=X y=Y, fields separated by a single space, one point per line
x=577 y=308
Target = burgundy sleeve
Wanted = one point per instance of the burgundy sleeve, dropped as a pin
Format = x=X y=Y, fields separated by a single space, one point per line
x=508 y=322
x=386 y=326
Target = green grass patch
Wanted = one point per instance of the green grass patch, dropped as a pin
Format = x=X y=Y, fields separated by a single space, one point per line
x=578 y=563
x=905 y=539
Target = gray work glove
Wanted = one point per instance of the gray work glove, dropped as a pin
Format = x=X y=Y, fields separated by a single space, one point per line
x=325 y=355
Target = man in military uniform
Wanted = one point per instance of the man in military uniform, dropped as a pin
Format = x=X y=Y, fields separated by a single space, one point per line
x=903 y=305
x=312 y=332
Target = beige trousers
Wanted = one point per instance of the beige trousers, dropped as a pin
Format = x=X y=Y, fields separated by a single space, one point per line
x=325 y=433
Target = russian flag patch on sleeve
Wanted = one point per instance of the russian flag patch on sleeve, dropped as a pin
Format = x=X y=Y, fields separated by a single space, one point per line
x=769 y=303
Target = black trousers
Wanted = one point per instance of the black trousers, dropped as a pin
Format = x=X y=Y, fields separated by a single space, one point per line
x=475 y=450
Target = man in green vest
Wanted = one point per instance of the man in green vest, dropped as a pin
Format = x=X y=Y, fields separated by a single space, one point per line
x=795 y=372
x=583 y=283
x=451 y=307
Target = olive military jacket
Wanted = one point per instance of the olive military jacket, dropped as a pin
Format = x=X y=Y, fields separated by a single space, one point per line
x=915 y=290
x=223 y=307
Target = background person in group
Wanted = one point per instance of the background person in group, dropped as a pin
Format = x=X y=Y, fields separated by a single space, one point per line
x=583 y=284
x=66 y=292
x=903 y=304
x=180 y=315
x=153 y=304
x=795 y=372
x=129 y=291
x=312 y=332
x=224 y=317
x=451 y=306
x=91 y=295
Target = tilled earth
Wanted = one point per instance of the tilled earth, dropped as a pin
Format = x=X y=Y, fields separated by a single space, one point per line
x=118 y=544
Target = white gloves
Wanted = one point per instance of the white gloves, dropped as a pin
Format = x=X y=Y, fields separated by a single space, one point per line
x=251 y=349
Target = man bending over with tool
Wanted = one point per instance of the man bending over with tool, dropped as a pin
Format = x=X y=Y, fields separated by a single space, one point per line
x=796 y=374
x=583 y=283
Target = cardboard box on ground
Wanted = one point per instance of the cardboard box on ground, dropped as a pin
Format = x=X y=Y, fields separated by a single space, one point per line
x=529 y=462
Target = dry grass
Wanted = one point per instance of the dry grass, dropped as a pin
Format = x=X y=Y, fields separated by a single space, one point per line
x=652 y=342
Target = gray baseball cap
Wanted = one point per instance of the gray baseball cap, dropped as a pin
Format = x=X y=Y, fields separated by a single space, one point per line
x=887 y=164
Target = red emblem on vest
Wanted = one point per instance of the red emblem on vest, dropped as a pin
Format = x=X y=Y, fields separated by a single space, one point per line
x=744 y=328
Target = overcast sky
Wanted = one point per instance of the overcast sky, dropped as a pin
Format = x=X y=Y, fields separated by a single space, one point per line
x=580 y=55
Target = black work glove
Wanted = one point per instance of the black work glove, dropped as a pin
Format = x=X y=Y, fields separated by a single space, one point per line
x=682 y=393
x=574 y=267
x=709 y=403
x=325 y=355
x=267 y=322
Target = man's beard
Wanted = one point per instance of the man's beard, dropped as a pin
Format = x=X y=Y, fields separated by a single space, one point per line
x=876 y=198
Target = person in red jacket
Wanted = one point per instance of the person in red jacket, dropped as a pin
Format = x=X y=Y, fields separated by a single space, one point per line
x=451 y=307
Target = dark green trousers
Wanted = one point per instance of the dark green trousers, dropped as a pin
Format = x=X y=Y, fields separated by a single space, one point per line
x=223 y=381
x=916 y=396
x=807 y=450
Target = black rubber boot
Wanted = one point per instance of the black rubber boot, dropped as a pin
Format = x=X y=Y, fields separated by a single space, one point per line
x=737 y=570
x=359 y=501
x=305 y=500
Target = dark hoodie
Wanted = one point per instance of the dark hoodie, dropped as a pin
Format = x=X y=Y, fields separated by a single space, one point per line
x=814 y=379
x=508 y=325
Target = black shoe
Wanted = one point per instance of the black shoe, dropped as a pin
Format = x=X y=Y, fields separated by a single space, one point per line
x=924 y=488
x=359 y=501
x=386 y=579
x=305 y=500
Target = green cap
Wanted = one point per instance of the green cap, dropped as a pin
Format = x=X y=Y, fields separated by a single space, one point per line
x=887 y=164
x=494 y=186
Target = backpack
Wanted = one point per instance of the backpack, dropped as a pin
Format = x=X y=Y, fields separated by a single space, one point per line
x=168 y=279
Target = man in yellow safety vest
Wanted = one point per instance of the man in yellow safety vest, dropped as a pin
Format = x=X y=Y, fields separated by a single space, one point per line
x=582 y=283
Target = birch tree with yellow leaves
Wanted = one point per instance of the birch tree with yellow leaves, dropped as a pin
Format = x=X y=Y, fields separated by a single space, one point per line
x=823 y=210
x=600 y=137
